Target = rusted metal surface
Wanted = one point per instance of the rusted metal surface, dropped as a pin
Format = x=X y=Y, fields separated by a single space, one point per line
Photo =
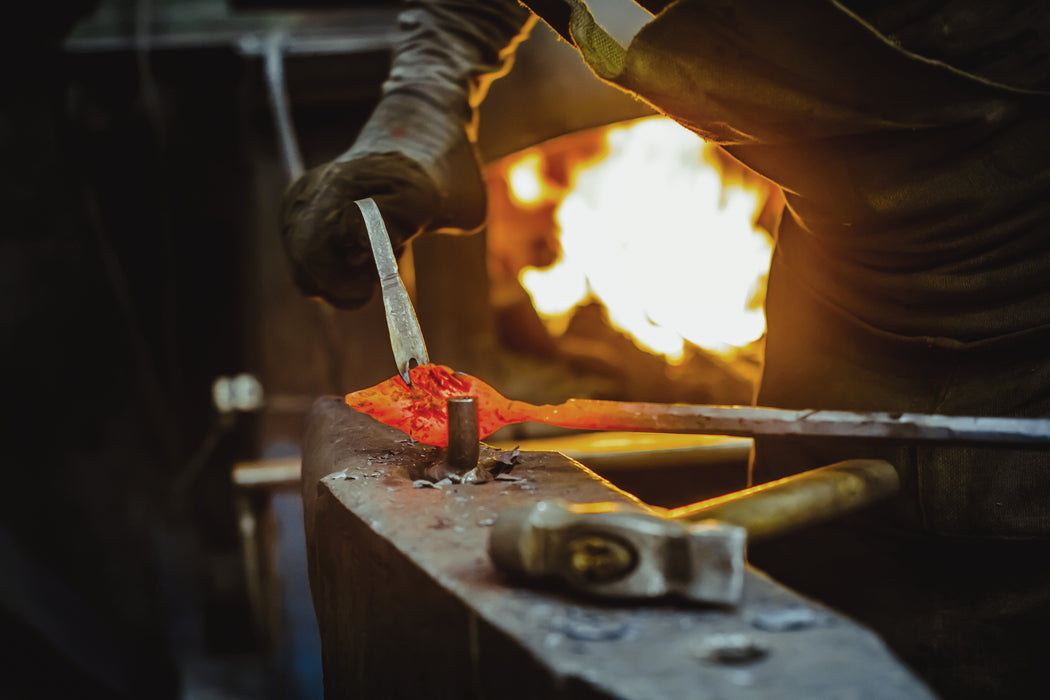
x=410 y=606
x=606 y=550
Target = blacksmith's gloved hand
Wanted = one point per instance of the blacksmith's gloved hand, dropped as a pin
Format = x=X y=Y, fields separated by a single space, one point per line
x=415 y=156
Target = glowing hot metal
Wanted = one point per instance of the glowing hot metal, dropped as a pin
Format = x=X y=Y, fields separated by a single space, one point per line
x=420 y=409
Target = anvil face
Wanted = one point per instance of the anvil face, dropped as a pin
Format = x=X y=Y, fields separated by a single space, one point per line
x=409 y=605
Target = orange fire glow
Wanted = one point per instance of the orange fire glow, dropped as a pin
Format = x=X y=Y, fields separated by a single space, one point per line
x=649 y=229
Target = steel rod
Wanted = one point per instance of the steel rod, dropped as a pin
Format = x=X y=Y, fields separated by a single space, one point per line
x=748 y=421
x=464 y=447
x=277 y=91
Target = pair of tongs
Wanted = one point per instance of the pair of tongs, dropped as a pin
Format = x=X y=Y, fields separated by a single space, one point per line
x=406 y=339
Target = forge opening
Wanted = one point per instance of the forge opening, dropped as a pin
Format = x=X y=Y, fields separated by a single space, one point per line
x=635 y=252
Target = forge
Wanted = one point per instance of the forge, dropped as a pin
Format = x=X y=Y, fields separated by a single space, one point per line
x=409 y=605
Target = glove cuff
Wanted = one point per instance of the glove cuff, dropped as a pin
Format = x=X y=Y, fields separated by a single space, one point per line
x=410 y=124
x=448 y=53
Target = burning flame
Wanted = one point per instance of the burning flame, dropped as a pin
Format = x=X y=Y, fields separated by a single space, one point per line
x=651 y=231
x=525 y=179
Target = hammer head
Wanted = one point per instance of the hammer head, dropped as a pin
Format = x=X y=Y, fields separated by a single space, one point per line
x=610 y=550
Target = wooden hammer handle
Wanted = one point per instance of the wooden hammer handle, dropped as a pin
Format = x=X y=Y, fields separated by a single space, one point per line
x=808 y=498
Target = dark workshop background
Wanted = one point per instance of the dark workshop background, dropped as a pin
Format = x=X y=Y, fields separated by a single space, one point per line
x=137 y=178
x=141 y=263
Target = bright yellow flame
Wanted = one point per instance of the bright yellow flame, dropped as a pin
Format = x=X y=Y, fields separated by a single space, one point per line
x=526 y=180
x=651 y=232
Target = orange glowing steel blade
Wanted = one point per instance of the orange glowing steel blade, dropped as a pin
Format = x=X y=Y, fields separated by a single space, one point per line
x=421 y=410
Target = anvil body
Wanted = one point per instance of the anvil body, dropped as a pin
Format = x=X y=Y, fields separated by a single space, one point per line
x=409 y=605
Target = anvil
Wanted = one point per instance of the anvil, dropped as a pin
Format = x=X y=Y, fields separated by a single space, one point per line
x=409 y=605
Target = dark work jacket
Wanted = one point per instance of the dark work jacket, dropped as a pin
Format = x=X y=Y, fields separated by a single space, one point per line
x=912 y=268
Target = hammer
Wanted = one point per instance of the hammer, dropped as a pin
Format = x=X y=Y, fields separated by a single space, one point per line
x=696 y=552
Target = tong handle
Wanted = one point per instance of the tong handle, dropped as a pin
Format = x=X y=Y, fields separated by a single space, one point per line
x=406 y=339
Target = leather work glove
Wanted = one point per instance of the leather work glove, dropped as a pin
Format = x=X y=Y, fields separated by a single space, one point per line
x=415 y=156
